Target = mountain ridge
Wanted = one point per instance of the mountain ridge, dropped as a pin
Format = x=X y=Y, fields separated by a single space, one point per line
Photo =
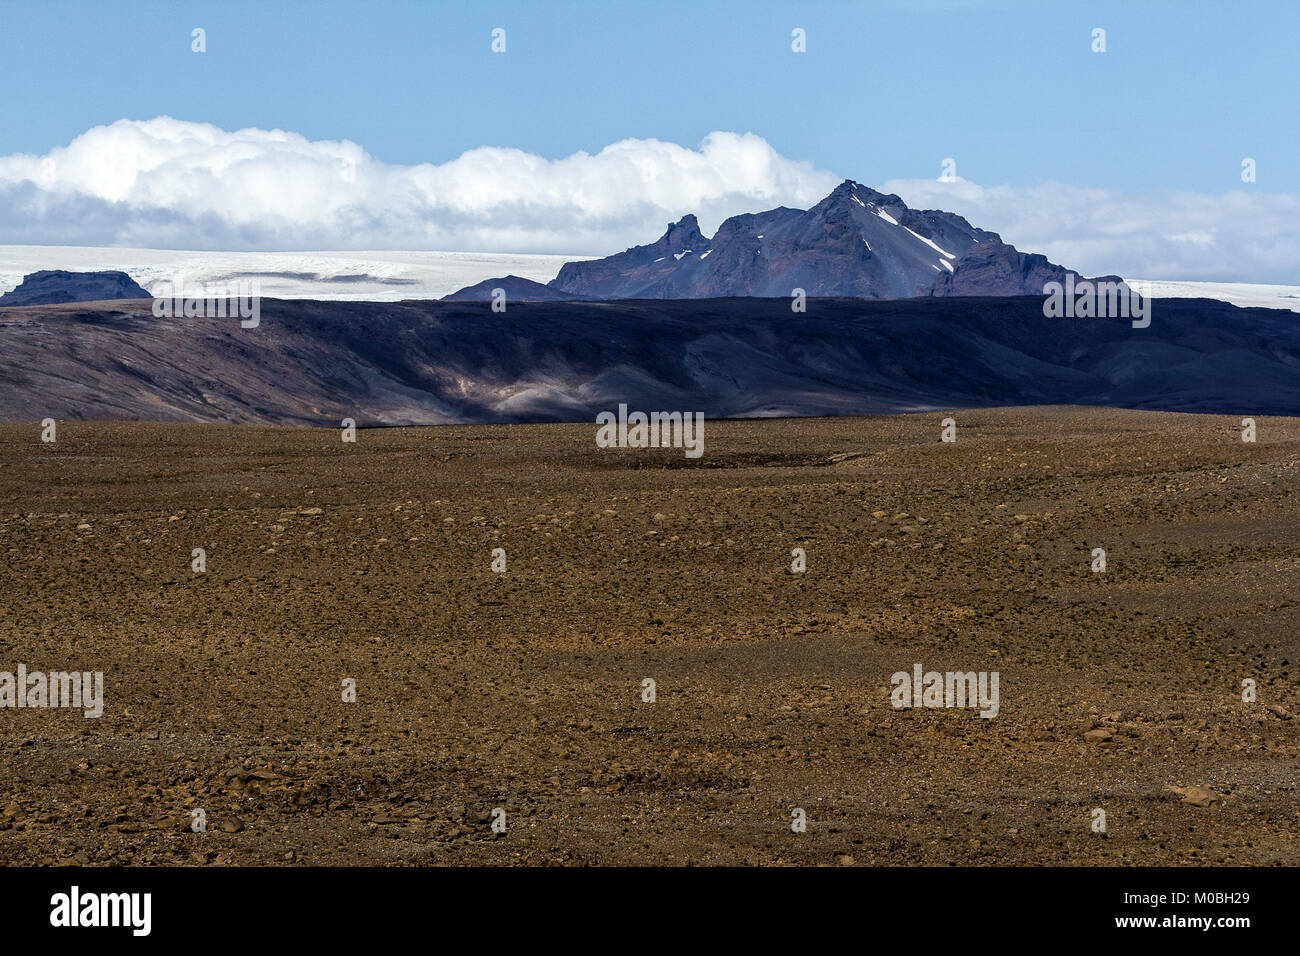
x=856 y=242
x=429 y=362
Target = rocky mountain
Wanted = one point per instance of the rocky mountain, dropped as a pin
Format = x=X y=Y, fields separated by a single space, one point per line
x=856 y=242
x=428 y=362
x=996 y=265
x=52 y=287
x=642 y=272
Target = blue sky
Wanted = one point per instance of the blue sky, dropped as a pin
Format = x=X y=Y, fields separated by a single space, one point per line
x=1011 y=90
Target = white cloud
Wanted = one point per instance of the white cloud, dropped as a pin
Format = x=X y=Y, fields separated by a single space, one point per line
x=169 y=184
x=1237 y=236
x=165 y=183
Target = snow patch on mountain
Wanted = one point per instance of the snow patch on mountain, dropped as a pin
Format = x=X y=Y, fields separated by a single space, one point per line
x=930 y=243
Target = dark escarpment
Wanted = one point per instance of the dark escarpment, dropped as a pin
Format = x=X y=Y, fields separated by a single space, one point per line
x=434 y=362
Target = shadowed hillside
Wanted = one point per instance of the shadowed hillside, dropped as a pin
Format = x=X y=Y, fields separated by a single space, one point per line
x=431 y=362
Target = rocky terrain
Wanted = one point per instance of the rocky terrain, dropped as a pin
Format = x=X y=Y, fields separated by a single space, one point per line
x=856 y=242
x=1120 y=690
x=435 y=362
x=52 y=286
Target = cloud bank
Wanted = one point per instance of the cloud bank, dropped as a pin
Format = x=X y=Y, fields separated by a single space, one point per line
x=1236 y=236
x=165 y=183
x=170 y=184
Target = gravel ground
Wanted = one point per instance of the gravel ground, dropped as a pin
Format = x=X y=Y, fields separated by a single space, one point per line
x=523 y=690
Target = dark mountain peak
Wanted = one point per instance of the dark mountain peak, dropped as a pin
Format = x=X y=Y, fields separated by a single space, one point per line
x=55 y=286
x=628 y=274
x=845 y=192
x=851 y=187
x=850 y=196
x=684 y=234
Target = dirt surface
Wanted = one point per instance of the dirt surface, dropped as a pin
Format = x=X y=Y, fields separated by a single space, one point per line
x=522 y=690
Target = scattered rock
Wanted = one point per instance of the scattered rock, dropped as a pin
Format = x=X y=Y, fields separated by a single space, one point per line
x=1200 y=796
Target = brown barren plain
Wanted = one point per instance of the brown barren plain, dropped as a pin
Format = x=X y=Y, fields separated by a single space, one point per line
x=522 y=690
